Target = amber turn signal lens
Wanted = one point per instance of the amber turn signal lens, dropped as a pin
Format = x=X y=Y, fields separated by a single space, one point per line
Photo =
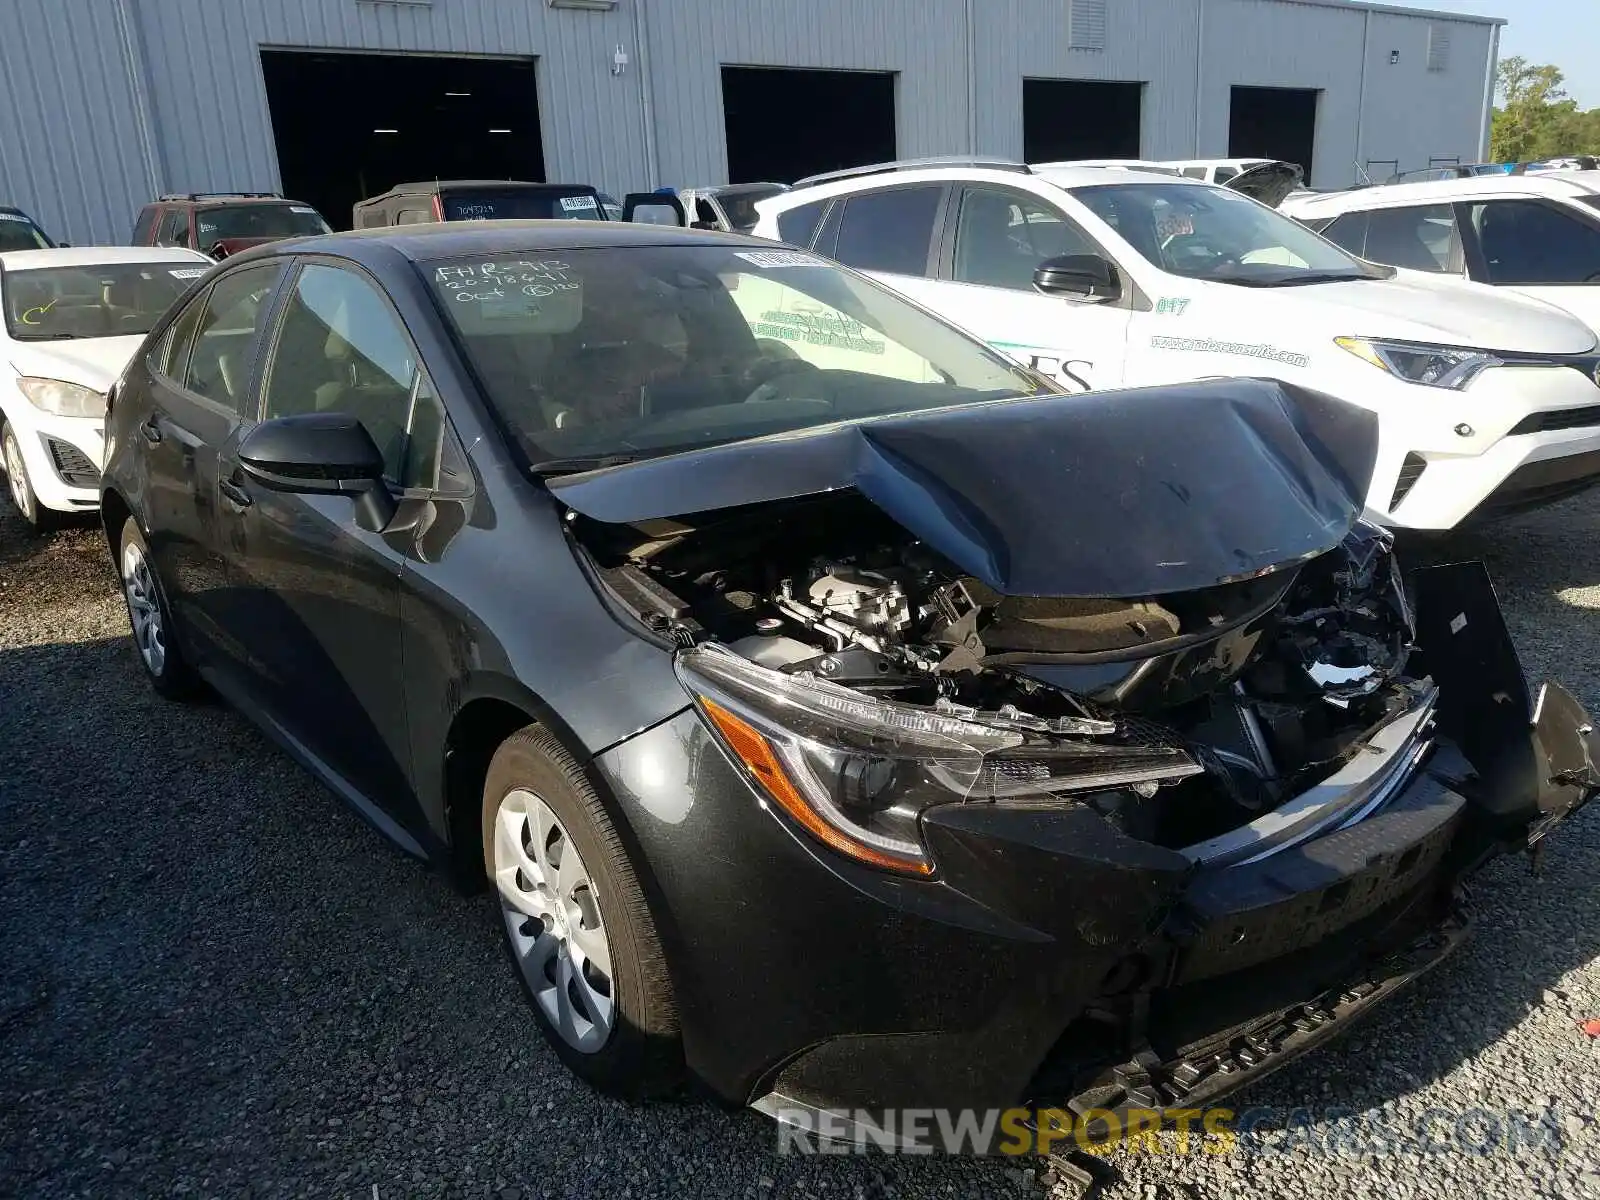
x=756 y=753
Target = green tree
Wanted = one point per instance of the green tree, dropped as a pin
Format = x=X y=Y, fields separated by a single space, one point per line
x=1536 y=118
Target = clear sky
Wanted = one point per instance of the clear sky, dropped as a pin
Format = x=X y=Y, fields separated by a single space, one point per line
x=1563 y=32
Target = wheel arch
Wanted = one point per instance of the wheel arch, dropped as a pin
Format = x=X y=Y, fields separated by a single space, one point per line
x=114 y=514
x=492 y=709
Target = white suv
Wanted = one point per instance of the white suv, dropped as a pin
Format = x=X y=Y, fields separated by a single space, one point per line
x=1539 y=234
x=1105 y=279
x=70 y=321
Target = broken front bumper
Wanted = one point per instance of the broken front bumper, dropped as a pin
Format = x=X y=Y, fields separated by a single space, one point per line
x=1057 y=960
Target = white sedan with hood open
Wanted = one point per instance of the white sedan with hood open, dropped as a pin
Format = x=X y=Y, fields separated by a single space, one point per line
x=1102 y=279
x=72 y=320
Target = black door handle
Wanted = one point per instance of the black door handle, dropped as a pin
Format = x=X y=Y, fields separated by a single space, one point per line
x=235 y=493
x=151 y=430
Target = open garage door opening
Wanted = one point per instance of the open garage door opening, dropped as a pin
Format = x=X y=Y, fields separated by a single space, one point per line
x=785 y=124
x=1077 y=118
x=1267 y=122
x=350 y=126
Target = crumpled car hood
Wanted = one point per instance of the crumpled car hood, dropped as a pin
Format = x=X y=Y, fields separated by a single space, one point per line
x=1120 y=493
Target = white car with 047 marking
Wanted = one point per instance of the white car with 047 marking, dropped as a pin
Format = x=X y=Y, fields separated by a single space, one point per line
x=1486 y=401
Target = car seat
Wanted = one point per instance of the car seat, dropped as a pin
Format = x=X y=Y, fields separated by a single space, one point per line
x=127 y=305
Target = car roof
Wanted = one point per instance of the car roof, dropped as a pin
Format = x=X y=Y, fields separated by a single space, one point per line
x=428 y=187
x=1074 y=175
x=1444 y=191
x=221 y=199
x=1063 y=175
x=453 y=239
x=95 y=256
x=1113 y=164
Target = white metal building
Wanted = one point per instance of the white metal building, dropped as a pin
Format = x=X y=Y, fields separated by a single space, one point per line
x=106 y=103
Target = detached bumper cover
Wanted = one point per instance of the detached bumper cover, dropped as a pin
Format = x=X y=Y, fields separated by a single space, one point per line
x=1055 y=959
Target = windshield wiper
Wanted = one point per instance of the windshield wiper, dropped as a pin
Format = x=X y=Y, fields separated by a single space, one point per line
x=45 y=337
x=1297 y=279
x=573 y=466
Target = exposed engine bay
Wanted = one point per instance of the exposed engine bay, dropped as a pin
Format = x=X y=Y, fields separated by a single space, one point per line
x=1181 y=718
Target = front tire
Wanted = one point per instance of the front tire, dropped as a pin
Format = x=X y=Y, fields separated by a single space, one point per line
x=577 y=927
x=19 y=487
x=151 y=619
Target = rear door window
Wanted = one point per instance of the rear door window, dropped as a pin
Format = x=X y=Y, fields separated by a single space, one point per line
x=889 y=231
x=175 y=228
x=1419 y=237
x=798 y=225
x=225 y=339
x=1529 y=242
x=171 y=355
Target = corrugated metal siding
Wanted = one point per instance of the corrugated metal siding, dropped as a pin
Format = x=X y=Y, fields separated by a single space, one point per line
x=923 y=41
x=1260 y=43
x=70 y=149
x=1148 y=41
x=1439 y=122
x=212 y=104
x=69 y=135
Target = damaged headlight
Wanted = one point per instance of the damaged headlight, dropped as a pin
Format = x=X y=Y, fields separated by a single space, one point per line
x=1434 y=366
x=857 y=772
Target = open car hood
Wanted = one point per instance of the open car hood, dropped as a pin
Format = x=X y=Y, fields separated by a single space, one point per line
x=1269 y=183
x=1125 y=493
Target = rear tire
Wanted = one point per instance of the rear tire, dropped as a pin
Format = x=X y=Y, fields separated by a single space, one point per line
x=577 y=928
x=151 y=619
x=38 y=519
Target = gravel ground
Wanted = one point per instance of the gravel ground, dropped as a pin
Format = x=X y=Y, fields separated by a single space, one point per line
x=214 y=980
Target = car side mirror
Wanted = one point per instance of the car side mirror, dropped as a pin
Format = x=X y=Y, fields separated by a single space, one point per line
x=1079 y=276
x=320 y=454
x=653 y=208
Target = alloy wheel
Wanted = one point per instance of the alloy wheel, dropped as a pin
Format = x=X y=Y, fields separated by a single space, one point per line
x=552 y=915
x=144 y=608
x=17 y=477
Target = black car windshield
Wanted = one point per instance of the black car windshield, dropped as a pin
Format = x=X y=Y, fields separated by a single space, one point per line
x=258 y=221
x=740 y=204
x=93 y=301
x=519 y=204
x=643 y=350
x=1215 y=234
x=18 y=232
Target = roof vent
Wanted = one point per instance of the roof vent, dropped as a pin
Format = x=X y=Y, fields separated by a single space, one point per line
x=1086 y=28
x=1438 y=47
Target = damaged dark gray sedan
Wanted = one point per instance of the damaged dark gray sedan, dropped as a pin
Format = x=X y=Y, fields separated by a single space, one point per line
x=840 y=716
